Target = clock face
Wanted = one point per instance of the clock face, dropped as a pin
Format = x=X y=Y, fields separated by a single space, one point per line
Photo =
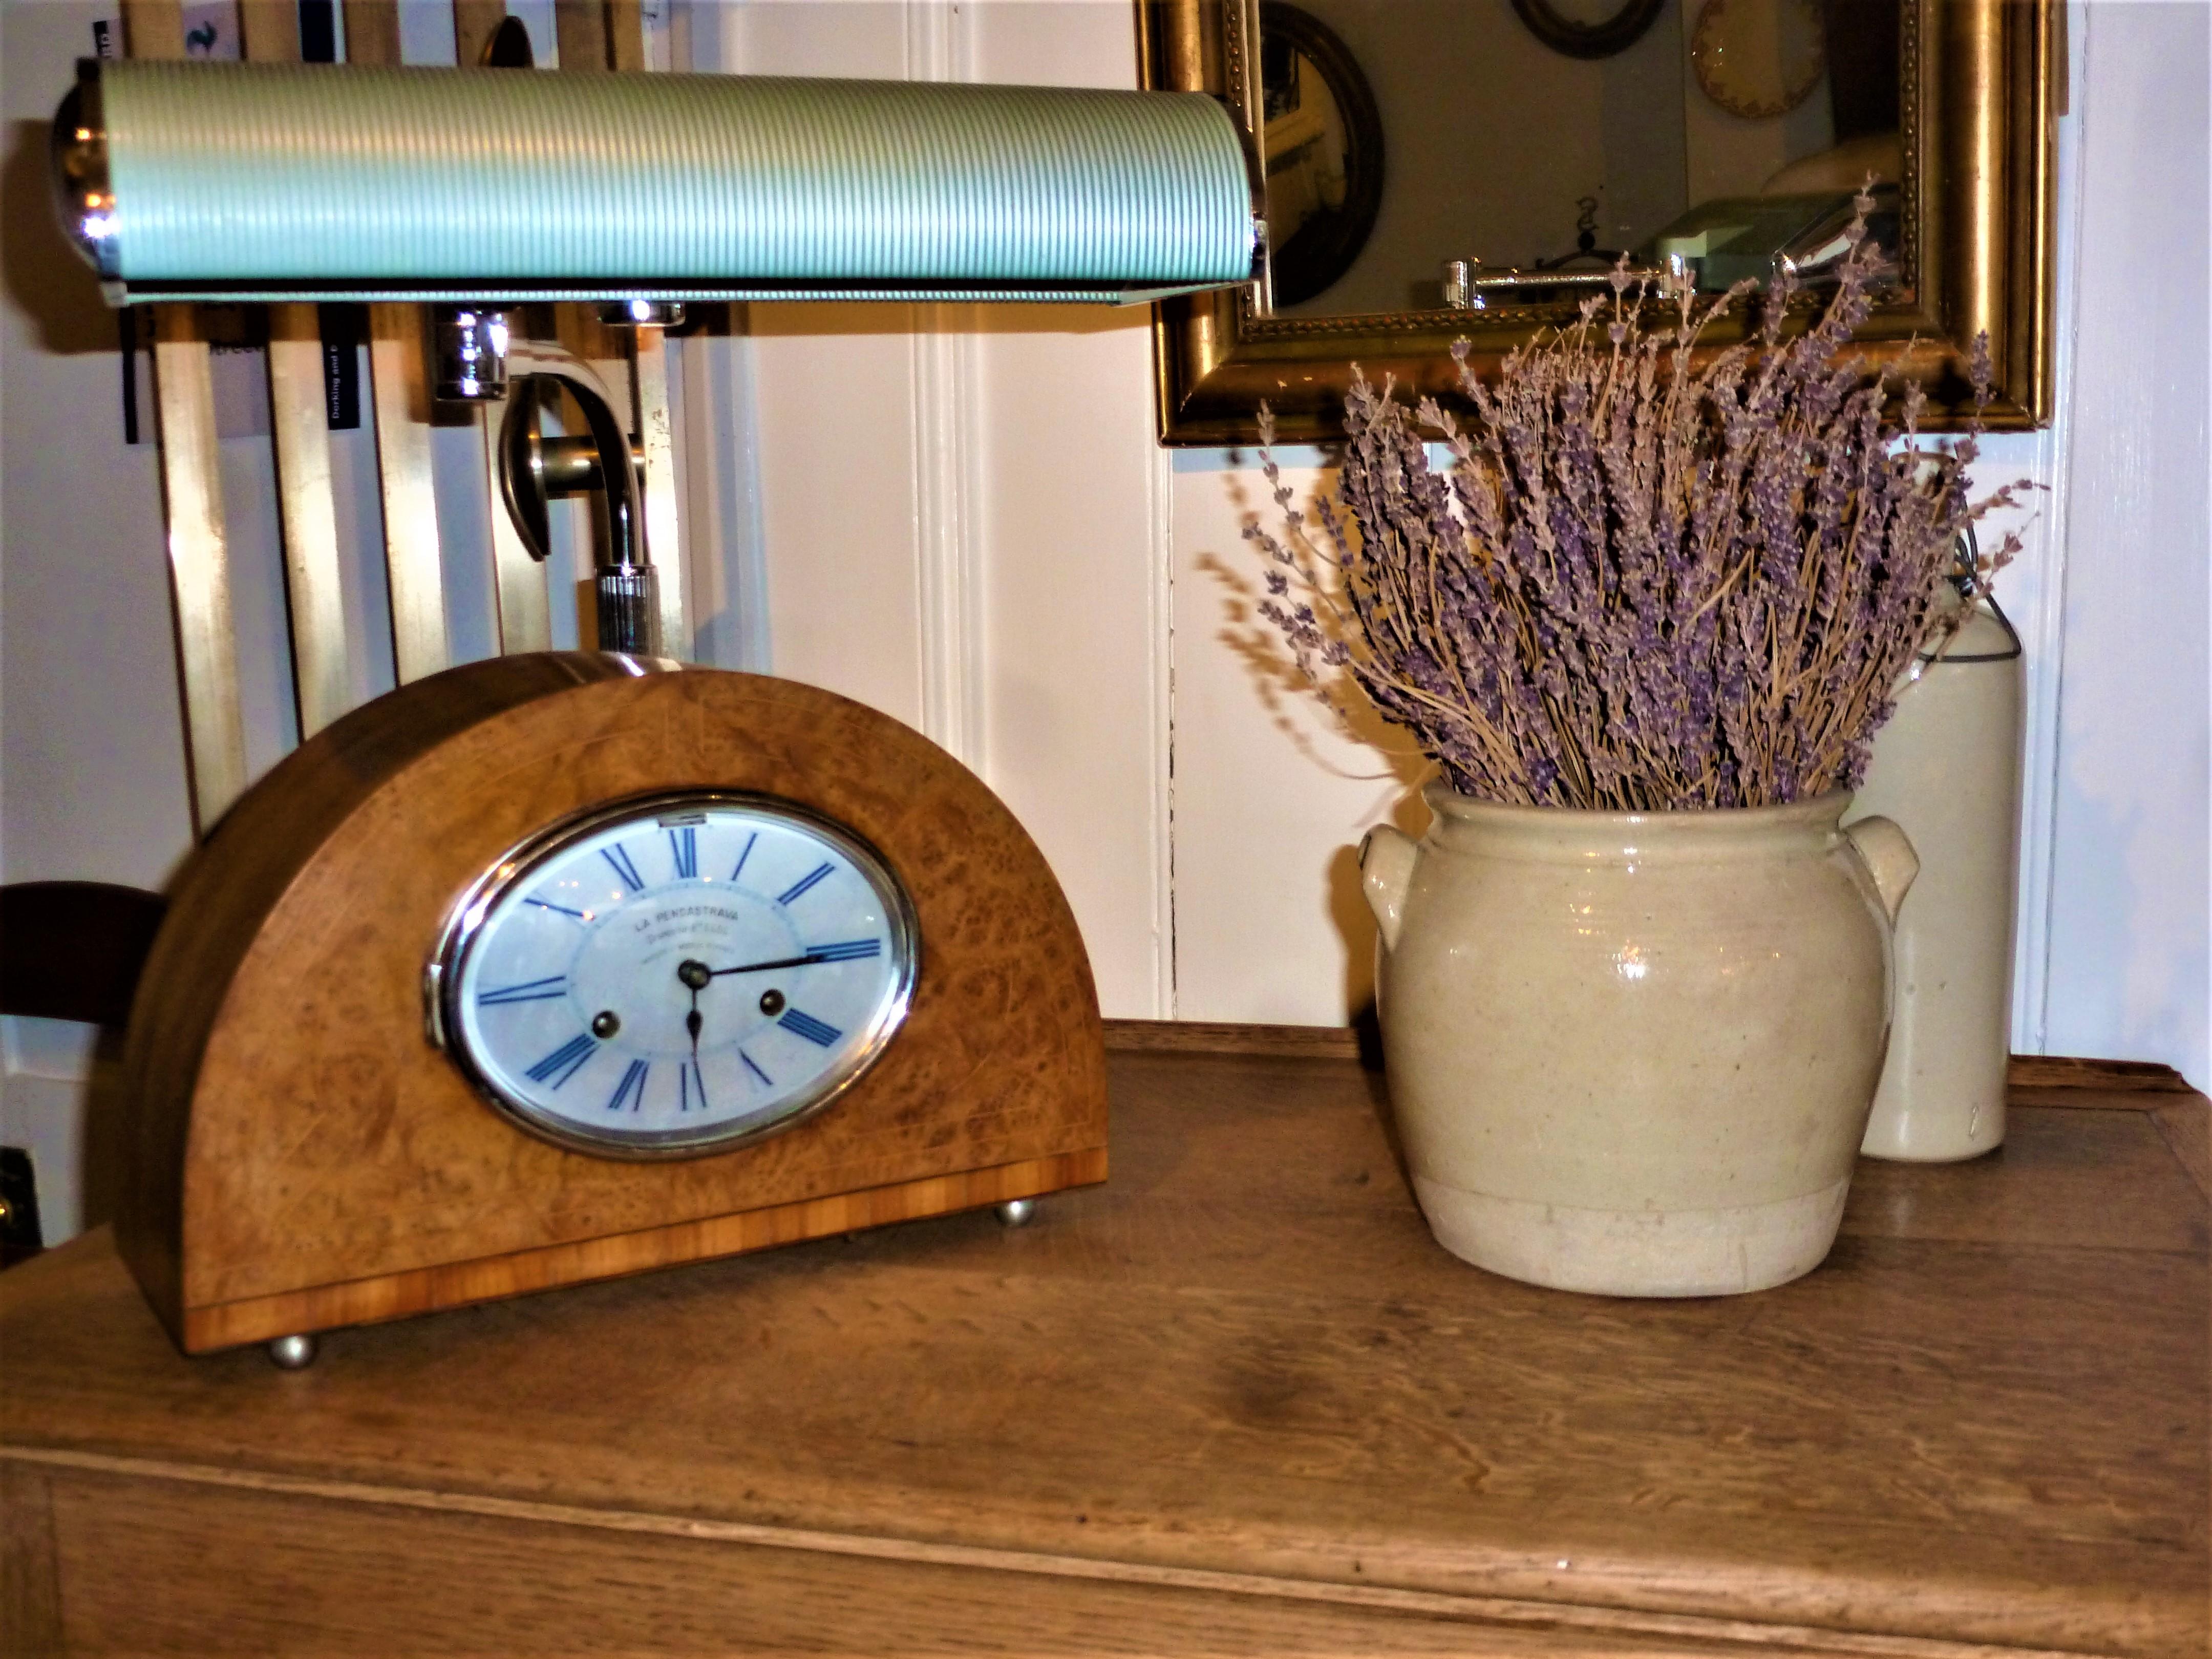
x=674 y=976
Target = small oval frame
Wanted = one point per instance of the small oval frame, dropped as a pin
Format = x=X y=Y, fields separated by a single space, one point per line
x=1306 y=267
x=1617 y=33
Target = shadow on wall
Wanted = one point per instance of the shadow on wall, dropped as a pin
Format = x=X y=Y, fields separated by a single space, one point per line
x=44 y=275
x=1279 y=684
x=1355 y=922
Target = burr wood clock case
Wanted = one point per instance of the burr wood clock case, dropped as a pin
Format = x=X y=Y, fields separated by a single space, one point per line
x=302 y=1155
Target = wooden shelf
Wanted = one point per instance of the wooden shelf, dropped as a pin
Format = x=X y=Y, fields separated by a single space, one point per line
x=1234 y=1401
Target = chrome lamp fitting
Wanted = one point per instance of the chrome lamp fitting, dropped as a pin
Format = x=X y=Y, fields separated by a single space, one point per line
x=642 y=313
x=471 y=349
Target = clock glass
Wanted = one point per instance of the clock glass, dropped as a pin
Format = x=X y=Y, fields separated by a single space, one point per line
x=675 y=975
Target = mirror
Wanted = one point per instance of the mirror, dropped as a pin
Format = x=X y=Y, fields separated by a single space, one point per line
x=1439 y=169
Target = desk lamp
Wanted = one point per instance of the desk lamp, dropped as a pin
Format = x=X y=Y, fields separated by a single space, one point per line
x=478 y=191
x=665 y=924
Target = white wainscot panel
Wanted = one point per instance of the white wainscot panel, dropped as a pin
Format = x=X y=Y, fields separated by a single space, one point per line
x=1071 y=522
x=833 y=413
x=1074 y=699
x=1271 y=795
x=837 y=445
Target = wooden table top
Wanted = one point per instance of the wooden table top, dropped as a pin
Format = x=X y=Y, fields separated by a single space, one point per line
x=1242 y=1368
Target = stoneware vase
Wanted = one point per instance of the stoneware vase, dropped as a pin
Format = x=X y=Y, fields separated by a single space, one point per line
x=1633 y=1054
x=1945 y=767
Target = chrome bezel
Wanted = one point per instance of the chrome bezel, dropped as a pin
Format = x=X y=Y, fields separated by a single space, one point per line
x=519 y=865
x=79 y=177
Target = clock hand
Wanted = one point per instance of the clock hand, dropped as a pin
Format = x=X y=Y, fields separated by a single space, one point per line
x=695 y=976
x=762 y=967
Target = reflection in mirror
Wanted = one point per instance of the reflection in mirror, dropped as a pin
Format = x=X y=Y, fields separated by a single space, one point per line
x=1758 y=60
x=1511 y=140
x=1324 y=153
x=1560 y=25
x=1729 y=134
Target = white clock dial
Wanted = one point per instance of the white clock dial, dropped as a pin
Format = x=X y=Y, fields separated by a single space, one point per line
x=675 y=975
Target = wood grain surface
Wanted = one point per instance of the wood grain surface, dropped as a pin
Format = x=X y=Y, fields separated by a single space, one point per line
x=399 y=402
x=296 y=1132
x=1198 y=1037
x=568 y=1584
x=199 y=559
x=299 y=417
x=30 y=1567
x=580 y=27
x=1236 y=1401
x=191 y=503
x=2109 y=1081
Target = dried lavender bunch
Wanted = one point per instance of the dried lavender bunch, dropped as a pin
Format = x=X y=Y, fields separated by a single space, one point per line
x=1638 y=585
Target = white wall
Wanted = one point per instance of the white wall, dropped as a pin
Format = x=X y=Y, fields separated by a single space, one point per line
x=963 y=519
x=2127 y=939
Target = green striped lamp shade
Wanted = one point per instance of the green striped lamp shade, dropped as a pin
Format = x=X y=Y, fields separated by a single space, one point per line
x=235 y=181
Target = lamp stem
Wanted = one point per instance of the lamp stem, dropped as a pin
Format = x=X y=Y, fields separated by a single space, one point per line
x=629 y=609
x=629 y=590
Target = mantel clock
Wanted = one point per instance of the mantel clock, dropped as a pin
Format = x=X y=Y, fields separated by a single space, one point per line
x=557 y=967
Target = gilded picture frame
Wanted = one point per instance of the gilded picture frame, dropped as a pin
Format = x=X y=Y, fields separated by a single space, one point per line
x=1983 y=84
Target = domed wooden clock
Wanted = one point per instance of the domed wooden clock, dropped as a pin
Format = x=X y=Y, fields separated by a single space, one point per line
x=554 y=968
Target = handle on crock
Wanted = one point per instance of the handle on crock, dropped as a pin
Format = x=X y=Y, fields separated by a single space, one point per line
x=1889 y=858
x=1386 y=871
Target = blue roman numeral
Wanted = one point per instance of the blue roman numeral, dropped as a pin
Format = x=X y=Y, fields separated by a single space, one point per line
x=804 y=882
x=563 y=1063
x=850 y=951
x=547 y=904
x=689 y=1086
x=756 y=1070
x=631 y=1088
x=684 y=845
x=806 y=1025
x=743 y=856
x=620 y=859
x=535 y=990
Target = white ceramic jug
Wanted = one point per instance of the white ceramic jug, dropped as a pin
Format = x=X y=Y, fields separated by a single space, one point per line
x=1945 y=767
x=1634 y=1052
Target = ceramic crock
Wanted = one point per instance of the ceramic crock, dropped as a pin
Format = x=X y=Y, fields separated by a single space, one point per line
x=1945 y=767
x=1634 y=1054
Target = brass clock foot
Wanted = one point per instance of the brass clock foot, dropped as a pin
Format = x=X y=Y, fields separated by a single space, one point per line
x=1016 y=1212
x=293 y=1353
